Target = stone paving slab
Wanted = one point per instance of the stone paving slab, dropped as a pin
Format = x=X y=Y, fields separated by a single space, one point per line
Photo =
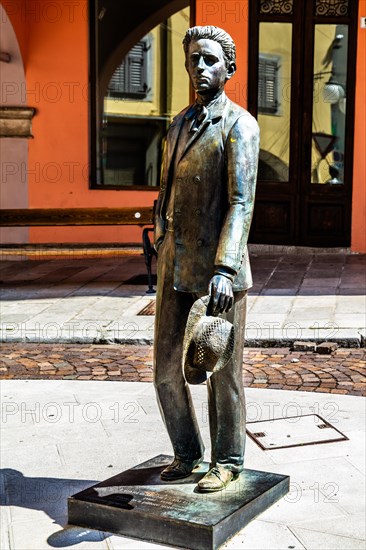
x=342 y=372
x=310 y=297
x=50 y=453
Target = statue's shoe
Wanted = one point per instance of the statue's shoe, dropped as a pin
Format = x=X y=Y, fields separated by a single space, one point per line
x=216 y=479
x=179 y=469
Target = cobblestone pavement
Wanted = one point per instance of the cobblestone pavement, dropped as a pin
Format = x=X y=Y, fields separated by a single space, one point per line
x=342 y=372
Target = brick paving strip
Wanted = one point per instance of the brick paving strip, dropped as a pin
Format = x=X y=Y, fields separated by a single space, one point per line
x=342 y=372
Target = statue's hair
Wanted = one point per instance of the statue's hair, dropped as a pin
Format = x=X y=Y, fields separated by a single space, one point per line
x=212 y=33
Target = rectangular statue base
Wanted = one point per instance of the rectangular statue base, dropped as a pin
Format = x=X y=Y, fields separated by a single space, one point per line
x=138 y=504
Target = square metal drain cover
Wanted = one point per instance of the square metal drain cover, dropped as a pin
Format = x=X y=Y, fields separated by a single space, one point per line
x=293 y=431
x=149 y=309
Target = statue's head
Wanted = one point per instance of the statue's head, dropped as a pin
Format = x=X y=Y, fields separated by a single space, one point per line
x=210 y=58
x=210 y=32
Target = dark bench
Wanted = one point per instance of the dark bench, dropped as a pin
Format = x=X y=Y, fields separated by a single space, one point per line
x=48 y=217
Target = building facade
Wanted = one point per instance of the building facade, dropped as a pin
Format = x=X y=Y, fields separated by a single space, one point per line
x=88 y=89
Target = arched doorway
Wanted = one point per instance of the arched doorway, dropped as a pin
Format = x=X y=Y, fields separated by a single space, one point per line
x=13 y=150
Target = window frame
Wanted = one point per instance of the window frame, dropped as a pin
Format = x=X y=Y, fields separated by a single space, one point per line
x=95 y=171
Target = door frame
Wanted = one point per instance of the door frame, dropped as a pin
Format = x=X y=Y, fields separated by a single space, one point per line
x=295 y=199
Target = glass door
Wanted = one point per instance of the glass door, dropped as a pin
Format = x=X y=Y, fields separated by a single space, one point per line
x=302 y=72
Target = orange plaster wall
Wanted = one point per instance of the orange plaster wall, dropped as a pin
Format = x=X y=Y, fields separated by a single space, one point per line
x=54 y=41
x=53 y=38
x=358 y=241
x=233 y=18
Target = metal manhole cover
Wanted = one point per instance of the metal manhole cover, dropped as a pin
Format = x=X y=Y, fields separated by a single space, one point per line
x=293 y=431
x=149 y=309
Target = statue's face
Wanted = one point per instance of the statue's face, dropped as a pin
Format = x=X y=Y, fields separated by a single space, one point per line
x=206 y=66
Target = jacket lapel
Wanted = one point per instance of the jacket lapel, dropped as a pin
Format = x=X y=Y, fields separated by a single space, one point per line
x=174 y=131
x=215 y=112
x=194 y=136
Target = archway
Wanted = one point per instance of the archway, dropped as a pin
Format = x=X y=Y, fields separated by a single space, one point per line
x=121 y=26
x=13 y=150
x=271 y=168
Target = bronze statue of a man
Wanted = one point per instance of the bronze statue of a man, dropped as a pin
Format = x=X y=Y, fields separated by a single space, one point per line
x=203 y=216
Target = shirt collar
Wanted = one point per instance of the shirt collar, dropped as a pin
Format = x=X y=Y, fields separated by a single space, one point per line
x=215 y=108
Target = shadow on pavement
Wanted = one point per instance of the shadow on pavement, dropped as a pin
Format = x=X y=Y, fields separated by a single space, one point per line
x=49 y=495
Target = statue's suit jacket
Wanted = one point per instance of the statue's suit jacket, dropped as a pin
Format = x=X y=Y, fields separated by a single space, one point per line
x=214 y=183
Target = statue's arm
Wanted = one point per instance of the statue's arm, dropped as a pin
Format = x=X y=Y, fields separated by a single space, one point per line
x=242 y=150
x=159 y=223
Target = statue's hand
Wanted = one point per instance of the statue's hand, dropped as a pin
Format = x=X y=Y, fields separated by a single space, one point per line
x=221 y=293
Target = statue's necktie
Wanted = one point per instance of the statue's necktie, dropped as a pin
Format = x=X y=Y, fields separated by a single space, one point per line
x=200 y=115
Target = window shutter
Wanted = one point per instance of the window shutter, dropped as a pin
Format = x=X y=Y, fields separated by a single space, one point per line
x=268 y=85
x=137 y=69
x=117 y=83
x=130 y=78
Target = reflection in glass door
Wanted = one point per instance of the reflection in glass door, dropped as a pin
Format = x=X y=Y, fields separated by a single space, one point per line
x=274 y=100
x=329 y=104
